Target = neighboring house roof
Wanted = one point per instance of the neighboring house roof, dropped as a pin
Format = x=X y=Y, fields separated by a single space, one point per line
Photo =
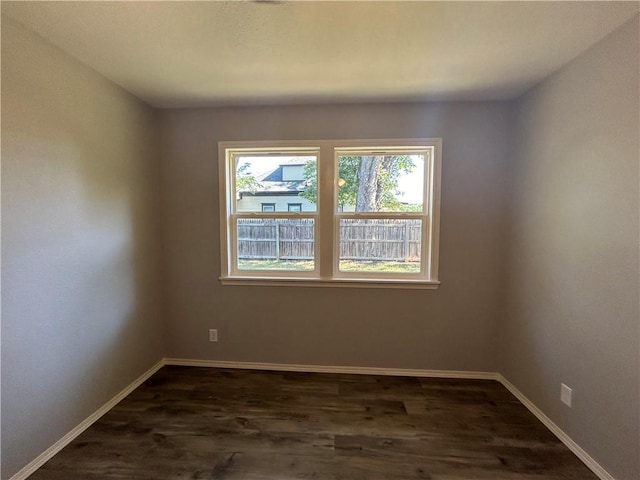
x=271 y=183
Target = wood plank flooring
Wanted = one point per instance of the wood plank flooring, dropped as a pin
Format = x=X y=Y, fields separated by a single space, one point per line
x=204 y=423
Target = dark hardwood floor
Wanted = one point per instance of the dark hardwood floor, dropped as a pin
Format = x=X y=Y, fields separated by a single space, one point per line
x=204 y=423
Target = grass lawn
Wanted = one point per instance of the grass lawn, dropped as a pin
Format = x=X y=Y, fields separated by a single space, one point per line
x=378 y=266
x=345 y=265
x=275 y=265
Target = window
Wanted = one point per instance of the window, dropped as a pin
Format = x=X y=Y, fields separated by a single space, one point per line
x=330 y=213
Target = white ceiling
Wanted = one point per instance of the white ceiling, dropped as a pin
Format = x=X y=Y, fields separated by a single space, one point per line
x=174 y=54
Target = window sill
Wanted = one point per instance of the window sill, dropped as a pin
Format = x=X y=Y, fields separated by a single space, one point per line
x=331 y=283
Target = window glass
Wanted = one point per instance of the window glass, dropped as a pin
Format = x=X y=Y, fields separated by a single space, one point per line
x=275 y=180
x=275 y=244
x=380 y=183
x=380 y=245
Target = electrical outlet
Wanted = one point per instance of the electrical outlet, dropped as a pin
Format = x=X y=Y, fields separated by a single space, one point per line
x=213 y=335
x=565 y=395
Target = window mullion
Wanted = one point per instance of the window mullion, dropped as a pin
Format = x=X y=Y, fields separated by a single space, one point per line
x=326 y=204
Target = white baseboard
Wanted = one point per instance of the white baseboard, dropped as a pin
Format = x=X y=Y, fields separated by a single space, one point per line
x=288 y=367
x=557 y=431
x=41 y=459
x=404 y=372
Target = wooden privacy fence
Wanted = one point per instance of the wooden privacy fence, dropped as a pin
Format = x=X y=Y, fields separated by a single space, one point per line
x=280 y=239
x=292 y=239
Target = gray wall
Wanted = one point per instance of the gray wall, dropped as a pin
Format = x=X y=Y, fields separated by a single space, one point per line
x=80 y=252
x=454 y=327
x=572 y=313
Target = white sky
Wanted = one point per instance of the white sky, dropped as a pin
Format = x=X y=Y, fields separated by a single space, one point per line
x=410 y=184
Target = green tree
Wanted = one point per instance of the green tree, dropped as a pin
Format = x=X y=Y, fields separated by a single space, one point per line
x=245 y=182
x=370 y=183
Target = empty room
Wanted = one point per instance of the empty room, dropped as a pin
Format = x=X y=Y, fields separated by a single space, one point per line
x=277 y=240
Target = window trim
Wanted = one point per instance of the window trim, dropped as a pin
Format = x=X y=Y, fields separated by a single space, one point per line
x=270 y=204
x=325 y=225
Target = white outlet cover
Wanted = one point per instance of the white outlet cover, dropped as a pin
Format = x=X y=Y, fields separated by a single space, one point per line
x=213 y=335
x=565 y=394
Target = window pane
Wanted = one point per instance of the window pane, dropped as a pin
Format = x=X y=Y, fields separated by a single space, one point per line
x=381 y=183
x=390 y=245
x=275 y=180
x=275 y=244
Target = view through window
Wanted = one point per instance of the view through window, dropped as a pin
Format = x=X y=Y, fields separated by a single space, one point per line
x=382 y=220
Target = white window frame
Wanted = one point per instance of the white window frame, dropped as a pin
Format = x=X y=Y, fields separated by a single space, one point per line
x=264 y=204
x=327 y=217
